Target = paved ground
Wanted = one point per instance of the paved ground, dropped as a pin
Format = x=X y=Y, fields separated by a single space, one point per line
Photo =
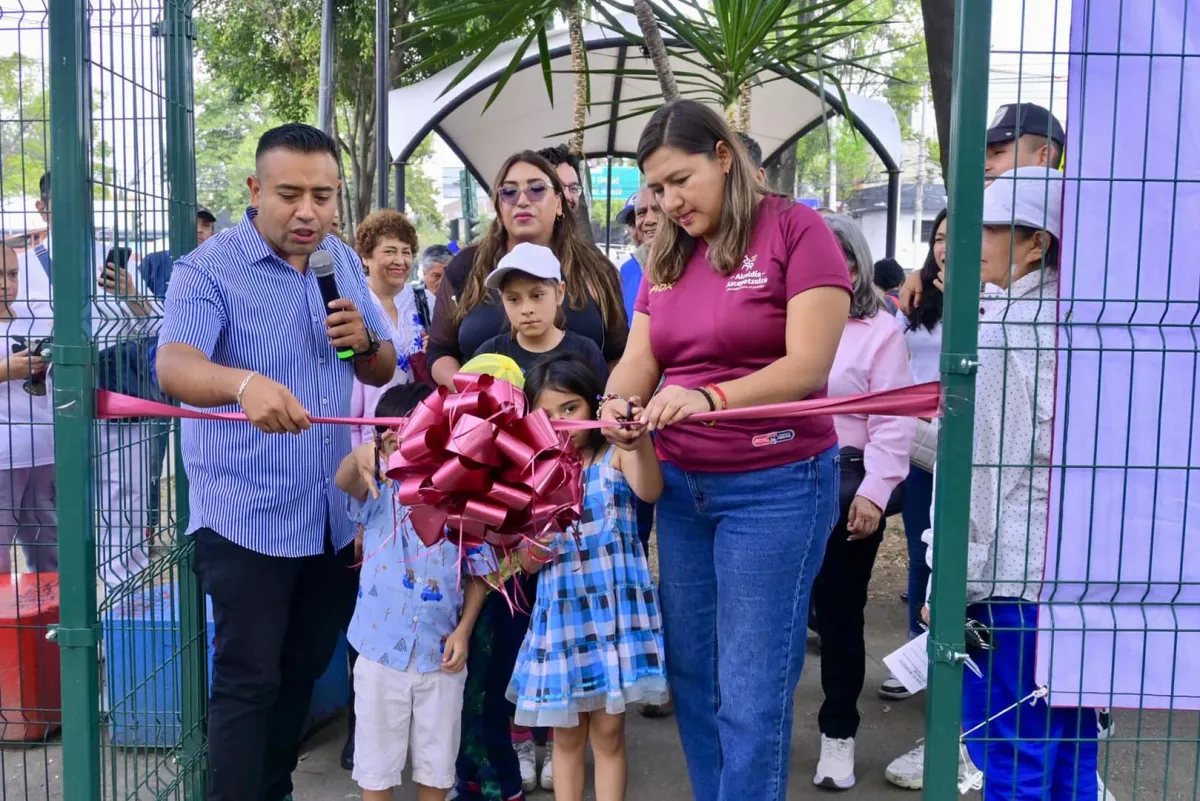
x=1164 y=766
x=656 y=767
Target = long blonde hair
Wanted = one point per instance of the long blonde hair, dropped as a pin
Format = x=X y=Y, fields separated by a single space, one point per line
x=697 y=129
x=586 y=272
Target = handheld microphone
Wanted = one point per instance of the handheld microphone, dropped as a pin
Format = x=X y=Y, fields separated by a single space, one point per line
x=321 y=263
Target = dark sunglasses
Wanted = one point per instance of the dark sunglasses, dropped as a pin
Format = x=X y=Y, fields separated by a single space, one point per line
x=511 y=195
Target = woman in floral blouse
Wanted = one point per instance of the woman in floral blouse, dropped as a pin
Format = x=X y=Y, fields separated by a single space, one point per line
x=387 y=243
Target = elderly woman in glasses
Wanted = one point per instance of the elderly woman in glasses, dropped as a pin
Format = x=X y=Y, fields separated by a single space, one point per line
x=531 y=206
x=874 y=461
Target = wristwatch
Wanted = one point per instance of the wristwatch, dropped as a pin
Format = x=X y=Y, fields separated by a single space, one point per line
x=372 y=346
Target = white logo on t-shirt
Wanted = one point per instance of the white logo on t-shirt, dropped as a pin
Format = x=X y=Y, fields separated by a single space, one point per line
x=747 y=277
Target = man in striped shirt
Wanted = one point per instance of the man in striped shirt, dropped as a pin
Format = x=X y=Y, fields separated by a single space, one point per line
x=245 y=328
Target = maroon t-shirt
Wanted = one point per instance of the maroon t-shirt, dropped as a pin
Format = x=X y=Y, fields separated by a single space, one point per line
x=707 y=328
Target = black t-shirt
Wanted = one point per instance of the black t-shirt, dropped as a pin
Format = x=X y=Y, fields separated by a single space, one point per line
x=586 y=349
x=487 y=320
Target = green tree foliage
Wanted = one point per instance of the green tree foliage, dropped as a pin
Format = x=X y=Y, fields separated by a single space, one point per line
x=888 y=61
x=227 y=132
x=25 y=132
x=269 y=51
x=420 y=193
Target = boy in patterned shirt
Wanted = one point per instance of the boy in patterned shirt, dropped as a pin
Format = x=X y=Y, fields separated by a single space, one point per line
x=411 y=626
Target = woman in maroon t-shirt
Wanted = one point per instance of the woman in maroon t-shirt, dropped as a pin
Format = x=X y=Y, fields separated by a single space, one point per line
x=742 y=304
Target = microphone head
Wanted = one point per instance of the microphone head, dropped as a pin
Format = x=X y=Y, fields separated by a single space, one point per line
x=321 y=263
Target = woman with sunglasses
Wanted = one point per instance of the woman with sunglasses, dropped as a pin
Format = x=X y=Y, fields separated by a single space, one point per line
x=530 y=207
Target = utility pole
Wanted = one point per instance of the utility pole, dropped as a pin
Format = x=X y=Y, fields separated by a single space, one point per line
x=325 y=90
x=383 y=154
x=919 y=203
x=832 y=182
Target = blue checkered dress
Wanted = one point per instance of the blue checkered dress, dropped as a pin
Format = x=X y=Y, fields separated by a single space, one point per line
x=595 y=633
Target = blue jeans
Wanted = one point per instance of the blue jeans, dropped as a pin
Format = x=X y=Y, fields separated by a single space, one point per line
x=1032 y=752
x=918 y=496
x=738 y=553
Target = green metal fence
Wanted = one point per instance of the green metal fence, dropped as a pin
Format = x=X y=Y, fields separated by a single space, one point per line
x=103 y=657
x=1101 y=351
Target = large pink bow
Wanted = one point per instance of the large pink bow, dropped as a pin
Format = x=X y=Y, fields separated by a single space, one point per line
x=474 y=467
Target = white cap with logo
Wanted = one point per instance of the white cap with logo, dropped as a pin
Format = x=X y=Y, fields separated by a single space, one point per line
x=536 y=260
x=1027 y=196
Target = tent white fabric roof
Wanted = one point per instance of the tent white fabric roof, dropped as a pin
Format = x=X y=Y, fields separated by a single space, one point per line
x=781 y=110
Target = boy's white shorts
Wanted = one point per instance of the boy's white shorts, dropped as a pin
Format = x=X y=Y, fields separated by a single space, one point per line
x=396 y=708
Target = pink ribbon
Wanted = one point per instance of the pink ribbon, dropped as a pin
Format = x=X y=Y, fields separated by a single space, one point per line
x=921 y=400
x=474 y=467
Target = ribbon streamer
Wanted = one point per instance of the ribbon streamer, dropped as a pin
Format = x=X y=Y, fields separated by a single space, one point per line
x=921 y=400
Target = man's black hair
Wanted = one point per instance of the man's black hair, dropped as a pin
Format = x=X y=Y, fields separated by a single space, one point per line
x=206 y=215
x=44 y=187
x=560 y=154
x=889 y=274
x=753 y=148
x=400 y=400
x=297 y=137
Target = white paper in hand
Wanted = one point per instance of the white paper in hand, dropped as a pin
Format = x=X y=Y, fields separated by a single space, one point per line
x=910 y=664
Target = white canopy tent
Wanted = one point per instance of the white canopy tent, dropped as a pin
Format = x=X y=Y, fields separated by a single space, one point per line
x=781 y=110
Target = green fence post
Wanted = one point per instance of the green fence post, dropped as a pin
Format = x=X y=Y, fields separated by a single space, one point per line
x=943 y=718
x=71 y=244
x=181 y=177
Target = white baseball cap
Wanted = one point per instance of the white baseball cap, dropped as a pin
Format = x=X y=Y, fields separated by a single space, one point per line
x=1028 y=196
x=536 y=260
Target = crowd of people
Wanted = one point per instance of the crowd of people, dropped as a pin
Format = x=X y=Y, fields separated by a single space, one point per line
x=734 y=298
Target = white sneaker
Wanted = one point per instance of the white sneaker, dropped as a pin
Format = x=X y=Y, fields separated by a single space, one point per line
x=527 y=759
x=1103 y=794
x=452 y=793
x=907 y=771
x=835 y=770
x=892 y=690
x=548 y=767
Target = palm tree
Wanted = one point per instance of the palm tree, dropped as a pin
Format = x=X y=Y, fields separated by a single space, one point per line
x=735 y=43
x=527 y=22
x=656 y=49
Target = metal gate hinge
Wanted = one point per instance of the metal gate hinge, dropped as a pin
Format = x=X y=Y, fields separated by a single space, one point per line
x=947 y=654
x=960 y=363
x=73 y=638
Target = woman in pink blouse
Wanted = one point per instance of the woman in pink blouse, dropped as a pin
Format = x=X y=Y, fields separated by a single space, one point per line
x=874 y=454
x=742 y=304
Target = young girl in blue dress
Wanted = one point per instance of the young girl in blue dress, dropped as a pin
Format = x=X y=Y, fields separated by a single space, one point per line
x=595 y=643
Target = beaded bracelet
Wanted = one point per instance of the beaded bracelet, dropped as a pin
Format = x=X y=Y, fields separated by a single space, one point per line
x=603 y=399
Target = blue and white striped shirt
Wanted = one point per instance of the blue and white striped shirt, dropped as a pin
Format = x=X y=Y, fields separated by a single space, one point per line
x=236 y=301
